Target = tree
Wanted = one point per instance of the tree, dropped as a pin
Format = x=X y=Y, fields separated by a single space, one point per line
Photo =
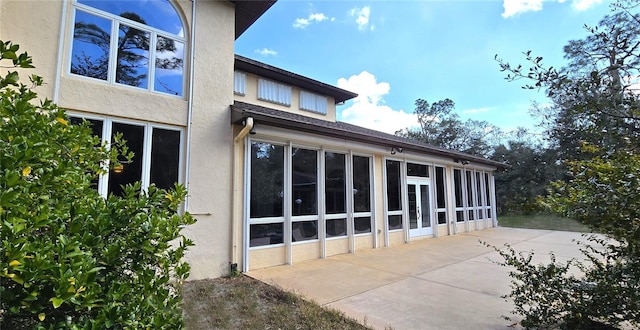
x=533 y=168
x=69 y=257
x=595 y=101
x=440 y=127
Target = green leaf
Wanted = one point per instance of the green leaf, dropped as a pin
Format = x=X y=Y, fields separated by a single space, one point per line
x=56 y=302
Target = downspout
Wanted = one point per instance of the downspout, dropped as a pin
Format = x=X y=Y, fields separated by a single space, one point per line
x=190 y=102
x=248 y=126
x=61 y=34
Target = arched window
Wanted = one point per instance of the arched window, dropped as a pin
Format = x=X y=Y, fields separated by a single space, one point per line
x=134 y=43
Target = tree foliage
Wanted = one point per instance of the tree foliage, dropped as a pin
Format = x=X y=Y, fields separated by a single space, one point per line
x=441 y=127
x=595 y=124
x=69 y=257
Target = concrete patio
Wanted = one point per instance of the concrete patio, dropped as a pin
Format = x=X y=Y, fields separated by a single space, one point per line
x=437 y=283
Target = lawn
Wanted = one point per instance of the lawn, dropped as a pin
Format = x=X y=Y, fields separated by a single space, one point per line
x=541 y=221
x=244 y=303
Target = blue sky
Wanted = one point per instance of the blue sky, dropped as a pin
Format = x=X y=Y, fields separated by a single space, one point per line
x=394 y=52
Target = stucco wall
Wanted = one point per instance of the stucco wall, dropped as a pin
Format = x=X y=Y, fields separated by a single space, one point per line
x=267 y=257
x=251 y=96
x=336 y=246
x=35 y=26
x=305 y=251
x=210 y=169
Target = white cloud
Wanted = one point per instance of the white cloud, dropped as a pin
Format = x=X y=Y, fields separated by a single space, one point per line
x=368 y=109
x=302 y=23
x=475 y=111
x=266 y=52
x=514 y=7
x=362 y=17
x=581 y=5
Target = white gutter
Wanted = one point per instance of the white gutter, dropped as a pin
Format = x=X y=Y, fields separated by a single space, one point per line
x=61 y=34
x=190 y=102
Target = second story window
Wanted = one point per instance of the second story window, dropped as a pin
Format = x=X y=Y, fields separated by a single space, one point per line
x=134 y=43
x=239 y=82
x=274 y=92
x=313 y=102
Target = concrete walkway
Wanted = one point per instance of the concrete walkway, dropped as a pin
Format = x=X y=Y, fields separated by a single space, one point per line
x=441 y=283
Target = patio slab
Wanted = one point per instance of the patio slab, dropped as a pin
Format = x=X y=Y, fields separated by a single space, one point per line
x=441 y=283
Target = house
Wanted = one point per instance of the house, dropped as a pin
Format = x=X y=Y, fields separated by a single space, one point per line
x=273 y=177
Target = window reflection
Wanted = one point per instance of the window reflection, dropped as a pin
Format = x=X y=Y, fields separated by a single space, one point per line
x=335 y=183
x=91 y=45
x=304 y=231
x=361 y=184
x=136 y=22
x=267 y=177
x=130 y=172
x=305 y=177
x=165 y=157
x=362 y=225
x=266 y=234
x=336 y=227
x=394 y=198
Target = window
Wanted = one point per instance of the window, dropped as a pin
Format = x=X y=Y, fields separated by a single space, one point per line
x=441 y=202
x=267 y=180
x=458 y=189
x=470 y=194
x=394 y=195
x=361 y=194
x=479 y=195
x=487 y=194
x=134 y=43
x=274 y=92
x=156 y=157
x=305 y=178
x=417 y=170
x=313 y=102
x=239 y=82
x=335 y=183
x=267 y=194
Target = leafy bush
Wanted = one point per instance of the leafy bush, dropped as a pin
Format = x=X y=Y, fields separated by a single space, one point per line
x=69 y=257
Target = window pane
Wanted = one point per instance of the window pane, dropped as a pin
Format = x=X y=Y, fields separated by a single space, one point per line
x=440 y=187
x=132 y=66
x=425 y=206
x=417 y=170
x=304 y=230
x=336 y=227
x=362 y=225
x=395 y=222
x=159 y=14
x=486 y=189
x=479 y=188
x=305 y=182
x=266 y=234
x=442 y=218
x=469 y=189
x=91 y=44
x=394 y=197
x=335 y=194
x=471 y=215
x=459 y=216
x=165 y=157
x=169 y=66
x=361 y=184
x=267 y=177
x=413 y=206
x=96 y=129
x=127 y=173
x=457 y=181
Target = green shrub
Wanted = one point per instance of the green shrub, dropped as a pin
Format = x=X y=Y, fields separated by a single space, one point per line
x=69 y=257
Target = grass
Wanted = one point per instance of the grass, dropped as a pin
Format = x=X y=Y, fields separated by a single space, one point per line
x=245 y=303
x=542 y=221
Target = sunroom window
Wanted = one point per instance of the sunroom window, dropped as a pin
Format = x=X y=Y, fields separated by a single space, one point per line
x=134 y=43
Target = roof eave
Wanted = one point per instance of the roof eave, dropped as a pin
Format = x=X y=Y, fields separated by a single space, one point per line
x=267 y=71
x=248 y=11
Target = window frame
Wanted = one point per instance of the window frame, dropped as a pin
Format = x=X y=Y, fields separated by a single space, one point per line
x=154 y=33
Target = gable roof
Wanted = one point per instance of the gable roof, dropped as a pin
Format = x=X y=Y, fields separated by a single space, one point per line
x=271 y=72
x=248 y=11
x=292 y=121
